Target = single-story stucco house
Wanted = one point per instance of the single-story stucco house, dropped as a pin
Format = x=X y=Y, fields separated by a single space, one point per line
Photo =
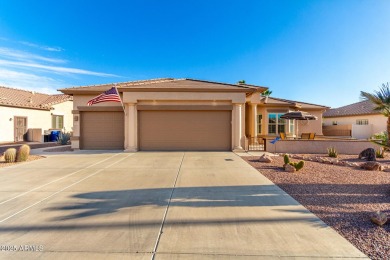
x=358 y=120
x=181 y=114
x=21 y=110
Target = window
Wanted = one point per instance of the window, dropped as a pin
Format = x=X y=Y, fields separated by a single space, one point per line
x=57 y=122
x=334 y=122
x=259 y=119
x=276 y=124
x=292 y=128
x=362 y=121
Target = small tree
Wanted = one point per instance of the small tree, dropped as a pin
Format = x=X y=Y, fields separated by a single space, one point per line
x=381 y=100
x=241 y=81
x=266 y=93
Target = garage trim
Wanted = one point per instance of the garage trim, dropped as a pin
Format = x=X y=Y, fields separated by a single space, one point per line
x=184 y=107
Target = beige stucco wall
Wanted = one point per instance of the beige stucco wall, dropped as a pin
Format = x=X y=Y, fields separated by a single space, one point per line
x=378 y=124
x=35 y=119
x=132 y=99
x=64 y=109
x=319 y=146
x=311 y=126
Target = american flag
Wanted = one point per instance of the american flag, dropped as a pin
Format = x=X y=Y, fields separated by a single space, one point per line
x=110 y=95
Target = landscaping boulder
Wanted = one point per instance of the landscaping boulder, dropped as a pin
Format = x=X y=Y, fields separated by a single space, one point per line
x=289 y=168
x=379 y=218
x=372 y=166
x=265 y=158
x=368 y=154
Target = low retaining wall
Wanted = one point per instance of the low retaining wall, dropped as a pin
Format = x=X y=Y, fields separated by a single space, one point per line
x=319 y=146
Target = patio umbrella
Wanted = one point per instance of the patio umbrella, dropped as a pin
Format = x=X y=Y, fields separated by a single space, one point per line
x=298 y=115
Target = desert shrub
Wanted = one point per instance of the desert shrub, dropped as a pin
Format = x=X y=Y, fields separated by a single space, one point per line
x=64 y=138
x=23 y=153
x=382 y=137
x=380 y=153
x=332 y=152
x=10 y=155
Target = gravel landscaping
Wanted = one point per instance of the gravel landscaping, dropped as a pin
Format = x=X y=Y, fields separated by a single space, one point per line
x=30 y=158
x=343 y=197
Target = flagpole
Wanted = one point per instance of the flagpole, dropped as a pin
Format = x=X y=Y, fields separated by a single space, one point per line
x=123 y=106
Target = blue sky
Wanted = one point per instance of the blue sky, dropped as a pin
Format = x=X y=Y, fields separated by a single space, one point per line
x=322 y=52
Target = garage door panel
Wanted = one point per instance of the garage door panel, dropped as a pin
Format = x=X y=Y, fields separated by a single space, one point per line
x=185 y=130
x=102 y=130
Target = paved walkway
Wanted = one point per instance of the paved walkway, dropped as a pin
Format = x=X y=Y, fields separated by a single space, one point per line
x=157 y=205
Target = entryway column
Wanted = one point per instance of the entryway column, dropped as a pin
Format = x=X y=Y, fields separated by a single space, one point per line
x=131 y=128
x=254 y=113
x=238 y=126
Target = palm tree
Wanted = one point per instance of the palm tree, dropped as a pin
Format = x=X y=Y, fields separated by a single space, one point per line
x=266 y=93
x=381 y=100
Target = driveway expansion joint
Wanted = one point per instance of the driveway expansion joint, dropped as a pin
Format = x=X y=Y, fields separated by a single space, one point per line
x=167 y=208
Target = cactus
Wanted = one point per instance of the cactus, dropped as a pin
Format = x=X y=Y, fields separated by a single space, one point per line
x=332 y=152
x=286 y=159
x=380 y=153
x=23 y=153
x=299 y=165
x=10 y=155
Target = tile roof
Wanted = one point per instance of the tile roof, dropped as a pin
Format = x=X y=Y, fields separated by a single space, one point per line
x=30 y=99
x=273 y=100
x=167 y=84
x=355 y=109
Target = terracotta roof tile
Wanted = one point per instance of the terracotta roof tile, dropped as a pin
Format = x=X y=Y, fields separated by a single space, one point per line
x=355 y=109
x=30 y=99
x=292 y=102
x=166 y=83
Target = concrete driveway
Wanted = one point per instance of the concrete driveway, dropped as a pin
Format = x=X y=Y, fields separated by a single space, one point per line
x=162 y=205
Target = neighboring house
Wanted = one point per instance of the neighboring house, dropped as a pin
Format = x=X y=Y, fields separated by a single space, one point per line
x=21 y=110
x=358 y=120
x=181 y=114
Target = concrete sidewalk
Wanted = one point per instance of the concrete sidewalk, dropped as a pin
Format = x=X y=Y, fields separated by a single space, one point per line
x=156 y=205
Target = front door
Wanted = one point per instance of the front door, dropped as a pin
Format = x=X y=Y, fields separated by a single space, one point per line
x=20 y=128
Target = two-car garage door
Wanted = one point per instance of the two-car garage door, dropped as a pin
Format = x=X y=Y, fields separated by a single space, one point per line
x=184 y=130
x=167 y=130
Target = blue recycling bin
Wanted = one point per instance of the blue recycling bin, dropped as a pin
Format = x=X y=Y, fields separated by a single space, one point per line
x=54 y=135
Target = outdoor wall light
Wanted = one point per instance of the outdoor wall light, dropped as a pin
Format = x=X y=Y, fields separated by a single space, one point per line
x=10 y=119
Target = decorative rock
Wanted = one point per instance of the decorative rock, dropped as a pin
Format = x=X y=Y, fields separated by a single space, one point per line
x=379 y=218
x=372 y=166
x=368 y=154
x=289 y=168
x=387 y=169
x=355 y=164
x=341 y=163
x=265 y=158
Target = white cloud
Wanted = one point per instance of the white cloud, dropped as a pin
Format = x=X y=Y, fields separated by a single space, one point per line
x=63 y=70
x=42 y=47
x=25 y=56
x=28 y=81
x=27 y=70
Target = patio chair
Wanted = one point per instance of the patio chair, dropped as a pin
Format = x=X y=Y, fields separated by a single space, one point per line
x=282 y=136
x=305 y=136
x=312 y=136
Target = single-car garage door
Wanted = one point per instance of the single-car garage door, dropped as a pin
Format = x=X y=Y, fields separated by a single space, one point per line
x=184 y=130
x=102 y=130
